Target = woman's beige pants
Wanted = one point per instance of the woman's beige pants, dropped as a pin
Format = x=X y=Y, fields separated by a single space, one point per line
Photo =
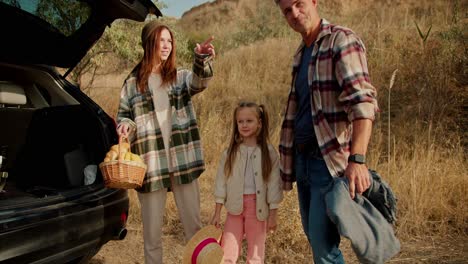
x=187 y=198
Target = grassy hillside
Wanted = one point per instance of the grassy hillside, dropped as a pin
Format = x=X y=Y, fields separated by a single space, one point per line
x=419 y=140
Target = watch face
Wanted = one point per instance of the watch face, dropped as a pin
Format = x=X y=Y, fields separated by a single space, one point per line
x=357 y=158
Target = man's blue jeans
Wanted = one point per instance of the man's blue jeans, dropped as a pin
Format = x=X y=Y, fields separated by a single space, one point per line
x=312 y=175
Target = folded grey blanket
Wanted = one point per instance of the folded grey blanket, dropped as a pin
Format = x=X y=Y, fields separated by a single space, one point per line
x=371 y=234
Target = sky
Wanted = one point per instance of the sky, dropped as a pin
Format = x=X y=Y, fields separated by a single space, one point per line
x=176 y=8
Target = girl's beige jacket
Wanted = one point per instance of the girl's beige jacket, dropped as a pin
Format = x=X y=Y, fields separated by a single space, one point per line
x=230 y=190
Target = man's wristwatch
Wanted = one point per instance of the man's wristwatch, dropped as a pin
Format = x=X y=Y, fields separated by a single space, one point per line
x=357 y=158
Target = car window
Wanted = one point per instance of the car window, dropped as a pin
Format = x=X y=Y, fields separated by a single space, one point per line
x=66 y=16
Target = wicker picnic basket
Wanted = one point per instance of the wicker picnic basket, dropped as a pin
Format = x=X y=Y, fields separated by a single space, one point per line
x=123 y=174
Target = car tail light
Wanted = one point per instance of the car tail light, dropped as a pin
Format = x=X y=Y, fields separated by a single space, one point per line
x=123 y=218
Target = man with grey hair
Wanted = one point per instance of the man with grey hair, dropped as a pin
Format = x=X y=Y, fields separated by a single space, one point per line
x=328 y=120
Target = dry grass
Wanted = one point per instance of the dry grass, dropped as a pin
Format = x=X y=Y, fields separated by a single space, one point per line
x=421 y=152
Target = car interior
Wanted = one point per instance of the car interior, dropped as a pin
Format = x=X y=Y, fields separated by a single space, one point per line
x=47 y=138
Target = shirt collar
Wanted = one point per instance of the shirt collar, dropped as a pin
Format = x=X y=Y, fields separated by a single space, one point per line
x=324 y=31
x=243 y=149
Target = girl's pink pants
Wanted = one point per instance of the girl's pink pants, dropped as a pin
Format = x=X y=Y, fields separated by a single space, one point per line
x=247 y=224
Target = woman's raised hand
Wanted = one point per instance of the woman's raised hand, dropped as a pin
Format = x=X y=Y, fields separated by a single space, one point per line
x=206 y=47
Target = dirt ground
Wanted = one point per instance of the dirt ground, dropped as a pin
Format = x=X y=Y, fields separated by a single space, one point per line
x=453 y=250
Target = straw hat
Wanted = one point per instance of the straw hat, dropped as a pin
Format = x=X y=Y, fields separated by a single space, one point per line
x=204 y=247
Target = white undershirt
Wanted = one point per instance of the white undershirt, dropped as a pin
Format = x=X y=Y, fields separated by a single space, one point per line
x=162 y=108
x=249 y=180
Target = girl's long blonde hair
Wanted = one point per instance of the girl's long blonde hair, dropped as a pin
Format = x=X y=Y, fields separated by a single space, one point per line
x=150 y=37
x=262 y=139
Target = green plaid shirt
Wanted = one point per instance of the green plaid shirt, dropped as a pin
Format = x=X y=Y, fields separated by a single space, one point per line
x=146 y=139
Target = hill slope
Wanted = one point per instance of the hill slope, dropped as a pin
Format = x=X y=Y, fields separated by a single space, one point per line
x=225 y=12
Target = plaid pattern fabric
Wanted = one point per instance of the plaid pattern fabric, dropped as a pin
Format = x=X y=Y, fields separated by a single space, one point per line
x=341 y=92
x=146 y=139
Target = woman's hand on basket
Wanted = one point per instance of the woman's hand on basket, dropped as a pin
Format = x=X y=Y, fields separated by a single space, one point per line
x=123 y=130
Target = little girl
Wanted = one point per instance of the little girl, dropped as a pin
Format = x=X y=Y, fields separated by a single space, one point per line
x=248 y=184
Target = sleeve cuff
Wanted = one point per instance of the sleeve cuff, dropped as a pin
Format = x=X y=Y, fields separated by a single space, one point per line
x=362 y=111
x=274 y=206
x=219 y=200
x=202 y=65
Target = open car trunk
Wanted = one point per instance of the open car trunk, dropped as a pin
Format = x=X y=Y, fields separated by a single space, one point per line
x=50 y=141
x=49 y=133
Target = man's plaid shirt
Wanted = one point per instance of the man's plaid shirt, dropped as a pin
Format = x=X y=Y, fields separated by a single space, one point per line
x=340 y=91
x=146 y=140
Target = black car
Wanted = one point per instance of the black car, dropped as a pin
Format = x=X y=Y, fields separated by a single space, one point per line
x=54 y=207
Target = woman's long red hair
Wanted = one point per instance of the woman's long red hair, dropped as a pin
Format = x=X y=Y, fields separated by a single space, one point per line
x=151 y=58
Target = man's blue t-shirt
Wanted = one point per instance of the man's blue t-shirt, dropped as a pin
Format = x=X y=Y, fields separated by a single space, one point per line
x=303 y=124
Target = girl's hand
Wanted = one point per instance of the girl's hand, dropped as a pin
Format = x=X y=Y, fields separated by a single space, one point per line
x=216 y=220
x=123 y=130
x=206 y=47
x=272 y=223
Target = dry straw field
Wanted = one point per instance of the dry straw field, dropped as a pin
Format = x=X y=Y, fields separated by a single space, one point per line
x=419 y=140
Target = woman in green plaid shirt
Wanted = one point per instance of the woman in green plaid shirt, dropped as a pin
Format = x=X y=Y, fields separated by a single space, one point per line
x=156 y=114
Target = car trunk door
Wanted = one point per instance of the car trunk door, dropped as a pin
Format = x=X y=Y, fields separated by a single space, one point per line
x=60 y=32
